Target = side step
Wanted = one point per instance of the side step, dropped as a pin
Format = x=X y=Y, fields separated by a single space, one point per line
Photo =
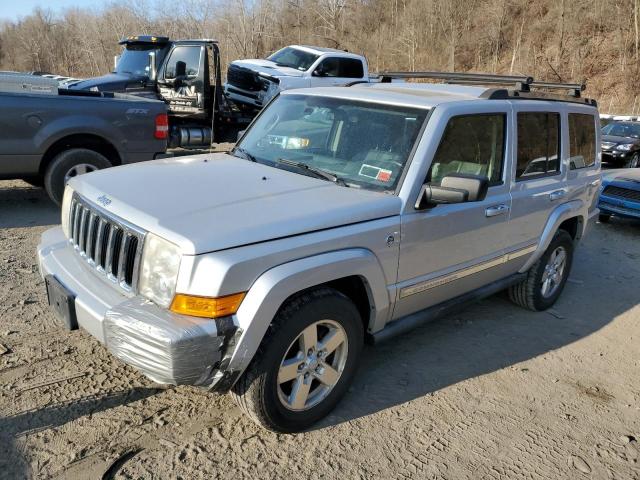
x=408 y=323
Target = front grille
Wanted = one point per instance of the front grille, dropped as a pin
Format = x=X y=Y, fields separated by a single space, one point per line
x=243 y=78
x=108 y=244
x=618 y=192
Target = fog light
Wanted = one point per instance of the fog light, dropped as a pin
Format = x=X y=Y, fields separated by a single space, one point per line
x=207 y=307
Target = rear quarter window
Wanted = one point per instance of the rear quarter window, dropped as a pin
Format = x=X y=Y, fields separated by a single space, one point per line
x=582 y=140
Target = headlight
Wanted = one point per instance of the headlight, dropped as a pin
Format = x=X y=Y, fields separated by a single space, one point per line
x=64 y=211
x=159 y=273
x=625 y=147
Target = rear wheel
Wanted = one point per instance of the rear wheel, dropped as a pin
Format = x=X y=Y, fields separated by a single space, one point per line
x=546 y=278
x=304 y=364
x=69 y=164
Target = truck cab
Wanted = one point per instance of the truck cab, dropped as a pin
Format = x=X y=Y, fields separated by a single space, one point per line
x=185 y=74
x=254 y=82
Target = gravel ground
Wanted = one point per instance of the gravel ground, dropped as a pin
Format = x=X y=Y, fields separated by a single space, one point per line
x=493 y=392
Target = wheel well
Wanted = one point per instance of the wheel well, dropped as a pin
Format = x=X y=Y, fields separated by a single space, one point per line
x=573 y=227
x=88 y=141
x=355 y=289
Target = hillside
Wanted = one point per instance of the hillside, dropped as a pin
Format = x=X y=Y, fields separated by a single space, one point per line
x=596 y=40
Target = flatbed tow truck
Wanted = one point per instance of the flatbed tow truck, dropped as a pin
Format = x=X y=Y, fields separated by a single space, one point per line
x=186 y=75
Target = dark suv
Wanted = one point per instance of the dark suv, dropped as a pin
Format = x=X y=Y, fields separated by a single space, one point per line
x=621 y=144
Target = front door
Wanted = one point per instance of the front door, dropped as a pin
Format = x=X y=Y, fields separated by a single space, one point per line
x=181 y=82
x=448 y=250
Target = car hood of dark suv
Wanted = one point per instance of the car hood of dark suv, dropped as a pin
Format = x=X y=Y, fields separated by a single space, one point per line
x=618 y=140
x=206 y=203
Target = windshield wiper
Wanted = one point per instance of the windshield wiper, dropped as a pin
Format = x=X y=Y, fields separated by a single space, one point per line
x=315 y=171
x=245 y=155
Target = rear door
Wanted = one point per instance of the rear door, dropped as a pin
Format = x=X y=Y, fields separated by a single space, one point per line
x=448 y=250
x=538 y=184
x=181 y=81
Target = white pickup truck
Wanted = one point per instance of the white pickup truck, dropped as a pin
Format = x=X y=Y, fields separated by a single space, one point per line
x=254 y=82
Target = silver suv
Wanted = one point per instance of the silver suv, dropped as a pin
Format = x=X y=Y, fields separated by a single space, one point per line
x=343 y=214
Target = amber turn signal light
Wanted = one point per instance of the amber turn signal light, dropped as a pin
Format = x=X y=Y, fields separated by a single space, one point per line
x=207 y=307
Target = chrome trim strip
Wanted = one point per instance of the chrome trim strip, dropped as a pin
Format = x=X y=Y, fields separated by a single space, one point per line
x=465 y=272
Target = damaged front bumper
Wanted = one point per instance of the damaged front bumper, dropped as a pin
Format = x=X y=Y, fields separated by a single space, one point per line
x=166 y=347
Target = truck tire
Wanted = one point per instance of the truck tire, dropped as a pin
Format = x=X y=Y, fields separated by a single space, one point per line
x=69 y=164
x=304 y=364
x=546 y=278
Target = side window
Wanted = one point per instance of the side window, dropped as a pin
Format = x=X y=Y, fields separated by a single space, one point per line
x=340 y=67
x=329 y=67
x=351 y=68
x=538 y=144
x=183 y=61
x=471 y=144
x=582 y=140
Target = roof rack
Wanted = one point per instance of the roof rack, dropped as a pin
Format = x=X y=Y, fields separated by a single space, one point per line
x=522 y=85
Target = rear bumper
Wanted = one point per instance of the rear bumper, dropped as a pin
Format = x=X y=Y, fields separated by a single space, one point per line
x=166 y=347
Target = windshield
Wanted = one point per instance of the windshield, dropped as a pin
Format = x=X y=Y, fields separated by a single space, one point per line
x=363 y=144
x=294 y=58
x=134 y=60
x=620 y=129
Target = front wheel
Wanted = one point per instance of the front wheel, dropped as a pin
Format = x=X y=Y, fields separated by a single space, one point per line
x=634 y=161
x=546 y=278
x=305 y=362
x=69 y=164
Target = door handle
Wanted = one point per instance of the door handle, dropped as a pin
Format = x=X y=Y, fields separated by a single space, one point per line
x=496 y=210
x=557 y=195
x=595 y=183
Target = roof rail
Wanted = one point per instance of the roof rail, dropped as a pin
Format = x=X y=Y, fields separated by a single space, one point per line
x=522 y=84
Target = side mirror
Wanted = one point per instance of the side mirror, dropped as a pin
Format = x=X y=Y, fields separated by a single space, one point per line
x=181 y=69
x=153 y=71
x=319 y=72
x=454 y=188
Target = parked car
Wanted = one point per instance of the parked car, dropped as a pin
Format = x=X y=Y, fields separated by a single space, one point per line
x=343 y=213
x=254 y=82
x=48 y=136
x=621 y=144
x=620 y=195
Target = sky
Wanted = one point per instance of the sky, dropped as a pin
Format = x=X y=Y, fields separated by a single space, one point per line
x=14 y=9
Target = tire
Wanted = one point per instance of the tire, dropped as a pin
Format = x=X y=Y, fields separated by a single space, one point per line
x=63 y=165
x=270 y=401
x=604 y=218
x=529 y=293
x=634 y=161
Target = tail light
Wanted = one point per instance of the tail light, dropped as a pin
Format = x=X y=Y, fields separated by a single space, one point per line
x=162 y=126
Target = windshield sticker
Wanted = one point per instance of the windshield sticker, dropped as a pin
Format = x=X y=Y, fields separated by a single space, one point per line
x=376 y=173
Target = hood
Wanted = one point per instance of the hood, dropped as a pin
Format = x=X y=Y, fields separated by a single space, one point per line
x=625 y=178
x=617 y=139
x=112 y=82
x=213 y=202
x=268 y=67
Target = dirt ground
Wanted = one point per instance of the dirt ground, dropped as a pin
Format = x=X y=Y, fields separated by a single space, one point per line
x=493 y=392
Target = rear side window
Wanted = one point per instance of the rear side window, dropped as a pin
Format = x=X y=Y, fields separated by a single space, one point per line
x=582 y=140
x=538 y=144
x=341 y=67
x=471 y=144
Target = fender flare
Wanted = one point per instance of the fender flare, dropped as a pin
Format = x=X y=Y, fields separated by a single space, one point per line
x=273 y=287
x=574 y=208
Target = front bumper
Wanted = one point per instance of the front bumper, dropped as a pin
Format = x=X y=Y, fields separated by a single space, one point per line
x=615 y=156
x=166 y=347
x=618 y=207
